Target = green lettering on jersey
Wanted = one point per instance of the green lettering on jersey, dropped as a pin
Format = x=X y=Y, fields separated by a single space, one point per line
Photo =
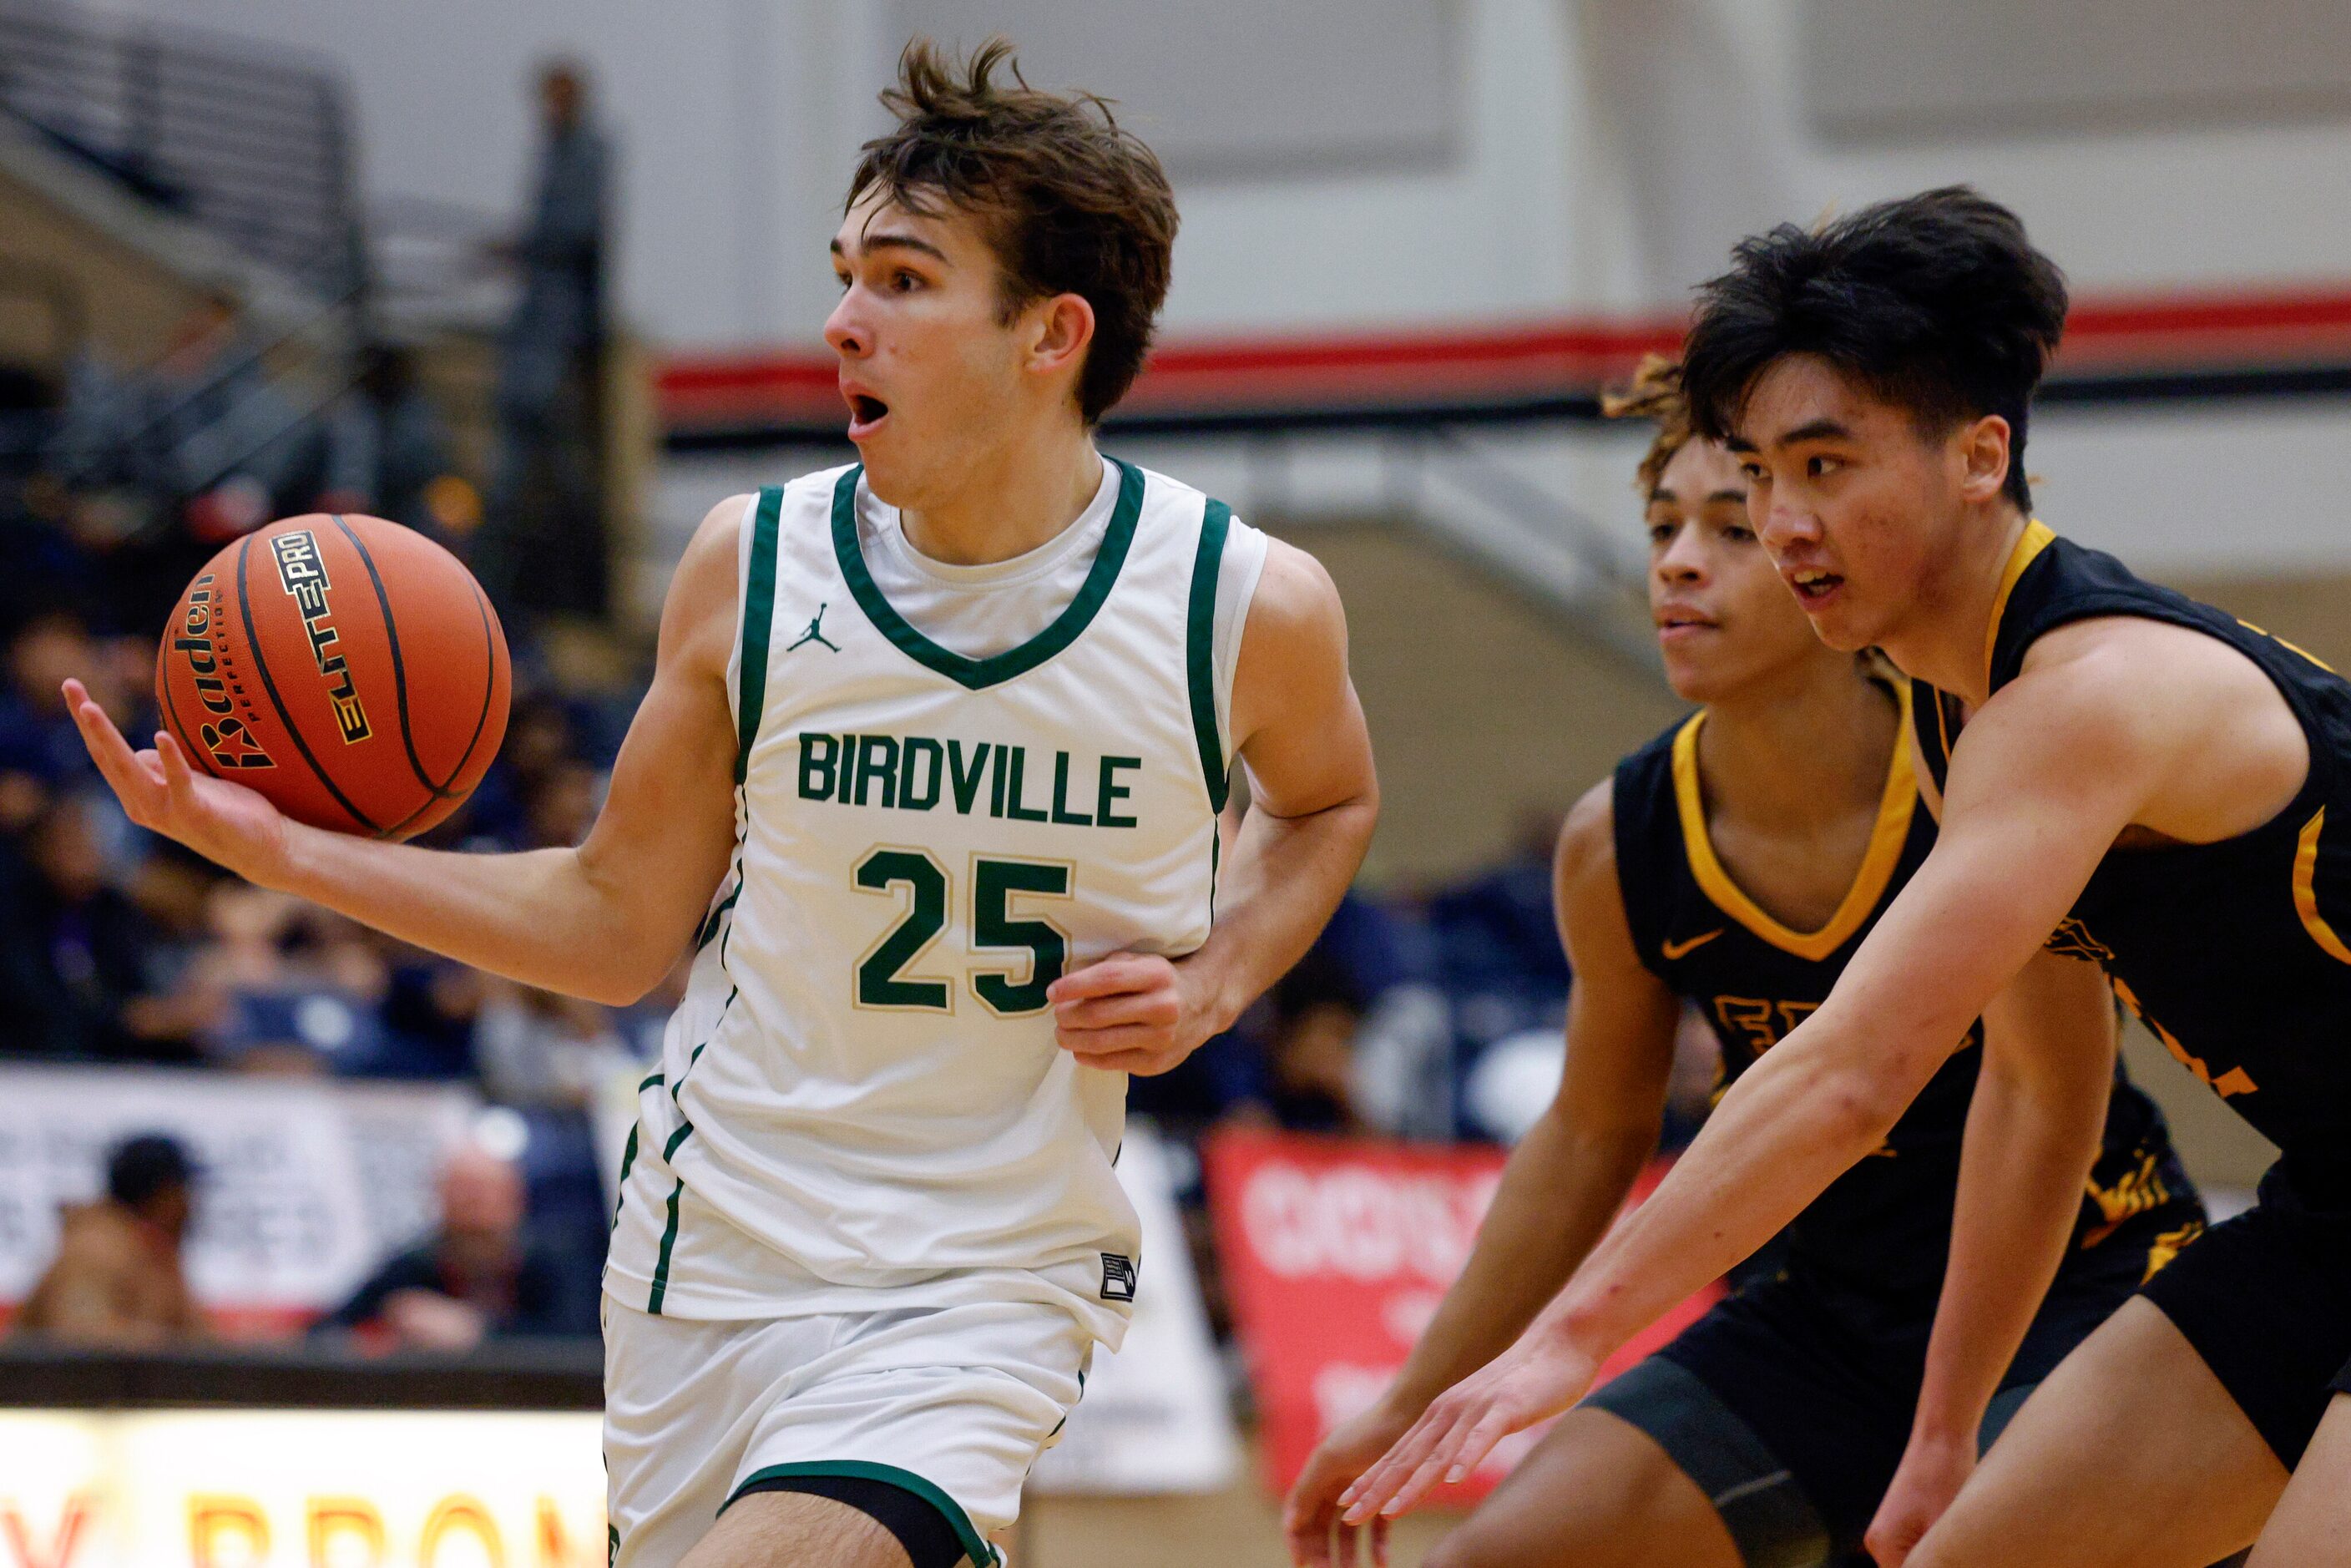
x=877 y=759
x=1110 y=791
x=1062 y=815
x=1013 y=792
x=819 y=754
x=917 y=790
x=996 y=783
x=967 y=785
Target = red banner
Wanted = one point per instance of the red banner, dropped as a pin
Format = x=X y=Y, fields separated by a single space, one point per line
x=1335 y=1254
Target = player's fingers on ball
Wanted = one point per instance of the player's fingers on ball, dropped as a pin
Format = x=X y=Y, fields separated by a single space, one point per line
x=178 y=777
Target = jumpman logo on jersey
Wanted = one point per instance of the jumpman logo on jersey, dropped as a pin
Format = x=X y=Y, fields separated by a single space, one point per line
x=815 y=633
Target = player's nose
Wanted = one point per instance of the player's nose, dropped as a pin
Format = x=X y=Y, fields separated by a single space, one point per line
x=846 y=331
x=1781 y=525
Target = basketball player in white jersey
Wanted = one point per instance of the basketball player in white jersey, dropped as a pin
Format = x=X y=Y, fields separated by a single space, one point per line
x=928 y=782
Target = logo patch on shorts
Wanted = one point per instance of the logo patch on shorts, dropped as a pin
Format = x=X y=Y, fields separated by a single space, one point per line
x=1118 y=1277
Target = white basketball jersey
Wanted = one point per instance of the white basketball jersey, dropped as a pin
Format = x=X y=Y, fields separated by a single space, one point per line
x=861 y=1092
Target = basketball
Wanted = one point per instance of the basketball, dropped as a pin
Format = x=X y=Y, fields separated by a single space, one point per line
x=348 y=668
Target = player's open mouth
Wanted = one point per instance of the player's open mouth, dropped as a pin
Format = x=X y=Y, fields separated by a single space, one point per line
x=1814 y=588
x=865 y=412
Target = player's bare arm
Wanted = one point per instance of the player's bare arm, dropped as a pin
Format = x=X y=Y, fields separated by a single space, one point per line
x=2047 y=776
x=603 y=920
x=2032 y=1135
x=1563 y=1184
x=1315 y=797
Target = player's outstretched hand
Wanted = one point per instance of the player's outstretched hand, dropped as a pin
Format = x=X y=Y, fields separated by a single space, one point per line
x=1310 y=1515
x=1539 y=1375
x=1933 y=1470
x=224 y=822
x=1131 y=1012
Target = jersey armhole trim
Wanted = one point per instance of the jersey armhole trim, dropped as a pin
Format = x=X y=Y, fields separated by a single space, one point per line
x=1199 y=650
x=759 y=612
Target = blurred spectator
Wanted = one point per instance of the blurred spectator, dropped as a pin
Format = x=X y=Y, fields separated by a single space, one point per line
x=79 y=976
x=478 y=1276
x=38 y=737
x=541 y=545
x=116 y=1281
x=305 y=986
x=218 y=432
x=388 y=451
x=537 y=1048
x=1496 y=930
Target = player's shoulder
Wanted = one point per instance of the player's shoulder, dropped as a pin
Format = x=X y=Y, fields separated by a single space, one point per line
x=1165 y=495
x=1587 y=837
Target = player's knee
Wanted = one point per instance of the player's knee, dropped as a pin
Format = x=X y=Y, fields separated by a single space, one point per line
x=1479 y=1543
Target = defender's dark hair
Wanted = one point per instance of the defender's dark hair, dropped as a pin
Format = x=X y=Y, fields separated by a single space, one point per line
x=1935 y=302
x=1074 y=203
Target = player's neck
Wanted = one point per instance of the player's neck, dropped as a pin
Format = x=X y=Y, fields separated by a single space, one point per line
x=1820 y=738
x=1942 y=639
x=1014 y=499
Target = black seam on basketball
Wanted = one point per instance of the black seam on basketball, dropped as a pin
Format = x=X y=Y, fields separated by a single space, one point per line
x=489 y=684
x=489 y=690
x=399 y=667
x=179 y=730
x=261 y=667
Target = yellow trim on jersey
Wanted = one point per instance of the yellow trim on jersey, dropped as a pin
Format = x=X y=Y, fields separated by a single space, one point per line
x=2305 y=891
x=1885 y=840
x=2037 y=536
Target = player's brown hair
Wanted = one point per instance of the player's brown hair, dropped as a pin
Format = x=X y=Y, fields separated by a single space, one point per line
x=1656 y=393
x=1074 y=203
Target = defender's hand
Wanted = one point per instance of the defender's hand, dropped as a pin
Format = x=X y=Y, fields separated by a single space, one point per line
x=1933 y=1470
x=1539 y=1375
x=1310 y=1516
x=1131 y=1012
x=224 y=822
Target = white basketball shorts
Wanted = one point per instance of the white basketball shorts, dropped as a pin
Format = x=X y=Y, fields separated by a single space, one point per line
x=952 y=1402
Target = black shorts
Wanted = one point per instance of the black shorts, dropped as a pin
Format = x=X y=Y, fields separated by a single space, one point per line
x=1790 y=1403
x=2265 y=1299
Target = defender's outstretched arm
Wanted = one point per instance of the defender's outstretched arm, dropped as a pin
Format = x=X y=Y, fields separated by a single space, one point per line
x=1564 y=1182
x=604 y=920
x=2047 y=775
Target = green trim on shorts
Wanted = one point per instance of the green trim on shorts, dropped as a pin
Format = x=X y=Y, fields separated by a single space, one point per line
x=975 y=1545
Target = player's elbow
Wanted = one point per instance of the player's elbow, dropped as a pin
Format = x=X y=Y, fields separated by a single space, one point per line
x=1861 y=1100
x=626 y=979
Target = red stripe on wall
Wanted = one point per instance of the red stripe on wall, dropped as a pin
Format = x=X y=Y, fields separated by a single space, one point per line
x=2249 y=328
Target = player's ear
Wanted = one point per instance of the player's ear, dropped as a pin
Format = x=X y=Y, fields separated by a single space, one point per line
x=1063 y=329
x=1983 y=456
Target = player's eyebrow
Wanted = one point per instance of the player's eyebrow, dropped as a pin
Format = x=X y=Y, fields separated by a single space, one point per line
x=1738 y=496
x=895 y=242
x=1661 y=493
x=1814 y=430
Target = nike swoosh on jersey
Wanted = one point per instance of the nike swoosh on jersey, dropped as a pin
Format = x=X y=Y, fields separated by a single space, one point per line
x=1673 y=950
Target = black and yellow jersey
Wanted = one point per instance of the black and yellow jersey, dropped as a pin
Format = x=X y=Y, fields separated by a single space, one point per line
x=1884 y=1228
x=2226 y=950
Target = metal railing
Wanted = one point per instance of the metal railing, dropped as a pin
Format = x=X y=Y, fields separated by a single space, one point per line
x=252 y=144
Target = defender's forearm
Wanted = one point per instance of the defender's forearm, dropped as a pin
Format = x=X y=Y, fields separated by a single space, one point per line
x=1562 y=1186
x=2022 y=1170
x=1281 y=879
x=542 y=917
x=1791 y=1125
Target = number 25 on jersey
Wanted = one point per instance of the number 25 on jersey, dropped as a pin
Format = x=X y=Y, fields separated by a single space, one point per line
x=881 y=980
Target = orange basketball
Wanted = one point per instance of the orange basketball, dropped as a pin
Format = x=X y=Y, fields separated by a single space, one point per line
x=348 y=668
